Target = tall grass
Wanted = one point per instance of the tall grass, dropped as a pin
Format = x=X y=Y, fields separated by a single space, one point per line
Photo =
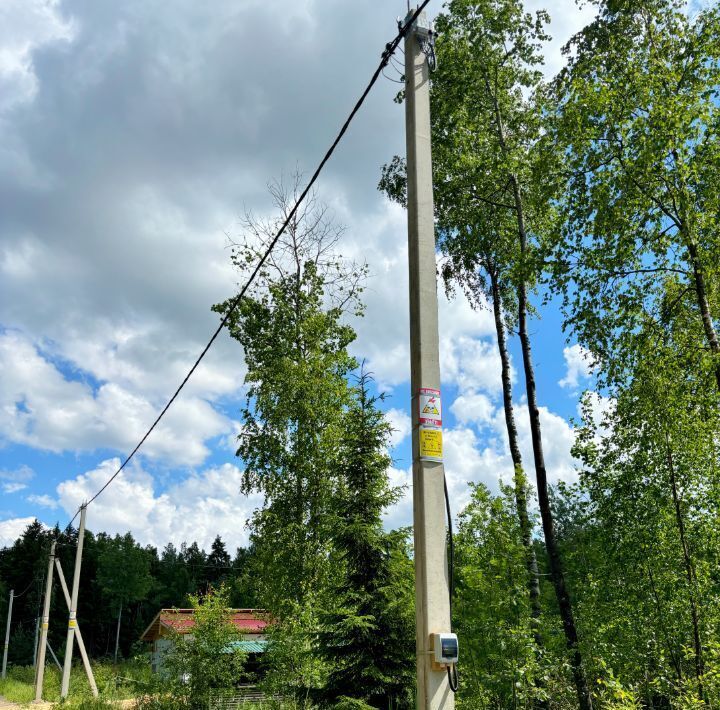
x=119 y=682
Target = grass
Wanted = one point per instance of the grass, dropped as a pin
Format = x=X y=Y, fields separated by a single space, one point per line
x=121 y=682
x=114 y=683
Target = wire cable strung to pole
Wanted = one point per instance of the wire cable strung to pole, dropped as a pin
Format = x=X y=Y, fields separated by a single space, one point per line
x=26 y=590
x=452 y=672
x=390 y=48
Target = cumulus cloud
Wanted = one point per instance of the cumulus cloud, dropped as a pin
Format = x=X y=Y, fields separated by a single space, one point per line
x=132 y=140
x=580 y=365
x=15 y=480
x=565 y=20
x=401 y=425
x=597 y=410
x=471 y=364
x=13 y=487
x=198 y=507
x=400 y=514
x=11 y=530
x=470 y=457
x=26 y=26
x=44 y=501
x=41 y=407
x=473 y=407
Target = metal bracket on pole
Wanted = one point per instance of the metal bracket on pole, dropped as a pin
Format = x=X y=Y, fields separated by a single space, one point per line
x=81 y=643
x=425 y=34
x=6 y=646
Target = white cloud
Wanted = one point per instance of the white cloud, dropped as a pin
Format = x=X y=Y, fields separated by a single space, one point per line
x=25 y=26
x=108 y=267
x=401 y=425
x=11 y=530
x=43 y=500
x=473 y=407
x=230 y=442
x=40 y=407
x=471 y=458
x=384 y=332
x=13 y=487
x=400 y=514
x=566 y=19
x=599 y=409
x=197 y=508
x=23 y=474
x=471 y=364
x=580 y=365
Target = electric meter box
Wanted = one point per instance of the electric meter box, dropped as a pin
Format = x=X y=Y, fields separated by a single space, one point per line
x=446 y=649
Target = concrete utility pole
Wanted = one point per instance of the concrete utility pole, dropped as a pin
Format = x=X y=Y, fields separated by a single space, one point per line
x=40 y=675
x=432 y=600
x=72 y=622
x=6 y=646
x=78 y=635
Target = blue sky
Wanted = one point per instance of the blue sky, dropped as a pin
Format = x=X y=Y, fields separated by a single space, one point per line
x=132 y=140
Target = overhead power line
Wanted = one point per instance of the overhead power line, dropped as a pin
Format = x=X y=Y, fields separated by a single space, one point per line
x=390 y=48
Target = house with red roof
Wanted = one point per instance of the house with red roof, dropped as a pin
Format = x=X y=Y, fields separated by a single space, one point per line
x=168 y=623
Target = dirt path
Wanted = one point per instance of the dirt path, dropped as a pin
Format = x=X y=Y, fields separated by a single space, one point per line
x=7 y=705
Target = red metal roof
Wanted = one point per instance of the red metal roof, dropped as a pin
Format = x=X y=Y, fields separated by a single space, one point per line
x=182 y=621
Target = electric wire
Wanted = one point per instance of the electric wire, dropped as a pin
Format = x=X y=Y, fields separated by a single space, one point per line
x=452 y=677
x=25 y=591
x=451 y=545
x=390 y=48
x=394 y=81
x=398 y=65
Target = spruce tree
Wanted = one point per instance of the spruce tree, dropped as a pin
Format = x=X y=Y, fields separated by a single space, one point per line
x=218 y=562
x=368 y=636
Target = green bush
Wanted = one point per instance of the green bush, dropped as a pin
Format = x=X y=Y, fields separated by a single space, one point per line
x=197 y=668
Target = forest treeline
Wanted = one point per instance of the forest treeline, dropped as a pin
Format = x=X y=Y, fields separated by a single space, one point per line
x=121 y=579
x=596 y=189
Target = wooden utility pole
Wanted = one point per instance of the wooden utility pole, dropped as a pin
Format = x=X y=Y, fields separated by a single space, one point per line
x=432 y=594
x=40 y=675
x=6 y=646
x=72 y=620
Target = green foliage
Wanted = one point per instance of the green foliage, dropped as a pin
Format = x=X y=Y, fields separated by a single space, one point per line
x=123 y=572
x=295 y=346
x=492 y=611
x=294 y=669
x=368 y=635
x=601 y=187
x=207 y=662
x=637 y=119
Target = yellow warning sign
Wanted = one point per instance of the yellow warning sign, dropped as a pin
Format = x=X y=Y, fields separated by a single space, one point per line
x=72 y=624
x=431 y=407
x=431 y=446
